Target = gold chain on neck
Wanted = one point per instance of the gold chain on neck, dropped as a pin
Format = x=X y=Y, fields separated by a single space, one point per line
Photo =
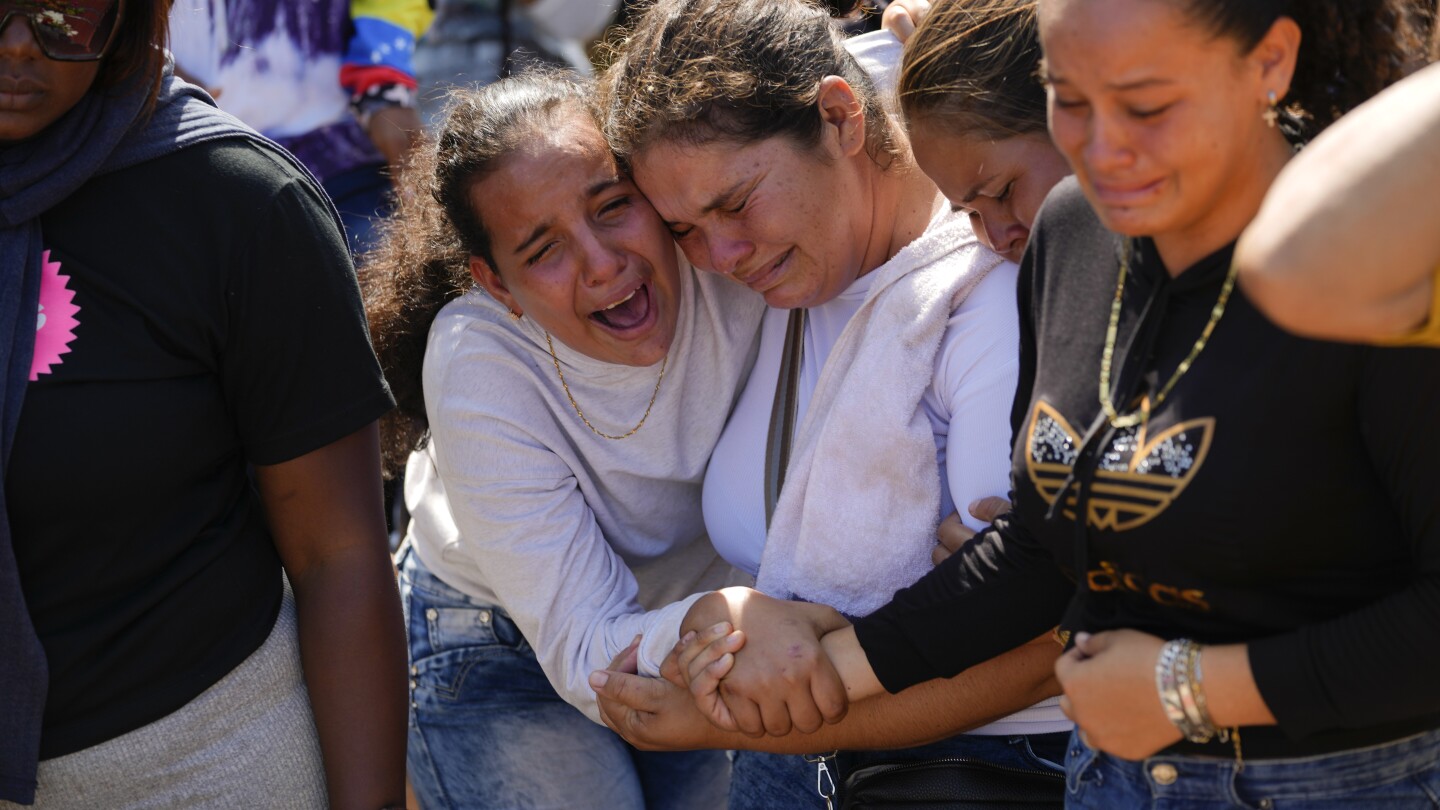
x=1146 y=406
x=556 y=360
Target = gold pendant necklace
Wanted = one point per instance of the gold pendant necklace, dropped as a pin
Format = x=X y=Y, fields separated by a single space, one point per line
x=1146 y=406
x=556 y=360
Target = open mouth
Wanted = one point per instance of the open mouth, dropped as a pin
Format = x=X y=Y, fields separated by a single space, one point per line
x=633 y=312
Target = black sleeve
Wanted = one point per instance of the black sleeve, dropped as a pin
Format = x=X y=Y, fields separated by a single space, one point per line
x=297 y=366
x=998 y=592
x=995 y=594
x=1378 y=664
x=1025 y=296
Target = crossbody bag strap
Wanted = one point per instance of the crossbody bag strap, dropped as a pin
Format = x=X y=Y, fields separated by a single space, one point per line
x=784 y=412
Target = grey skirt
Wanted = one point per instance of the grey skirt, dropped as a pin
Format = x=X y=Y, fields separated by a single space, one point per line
x=247 y=741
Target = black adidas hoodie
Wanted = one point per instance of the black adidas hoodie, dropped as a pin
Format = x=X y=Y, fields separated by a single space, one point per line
x=1285 y=494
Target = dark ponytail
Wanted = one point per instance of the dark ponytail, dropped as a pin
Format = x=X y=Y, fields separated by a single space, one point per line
x=423 y=258
x=1349 y=49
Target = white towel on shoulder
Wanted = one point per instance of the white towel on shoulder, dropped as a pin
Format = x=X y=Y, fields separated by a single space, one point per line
x=856 y=519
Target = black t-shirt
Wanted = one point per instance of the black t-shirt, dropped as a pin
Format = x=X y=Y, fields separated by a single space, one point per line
x=219 y=325
x=1285 y=494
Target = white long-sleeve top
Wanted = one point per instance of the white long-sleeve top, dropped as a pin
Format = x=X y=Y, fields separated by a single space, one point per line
x=585 y=541
x=967 y=403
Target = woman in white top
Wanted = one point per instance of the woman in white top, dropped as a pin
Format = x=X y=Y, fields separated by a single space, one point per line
x=575 y=379
x=767 y=151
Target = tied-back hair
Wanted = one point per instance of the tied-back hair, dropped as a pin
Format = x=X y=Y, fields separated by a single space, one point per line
x=422 y=260
x=695 y=72
x=1349 y=49
x=972 y=67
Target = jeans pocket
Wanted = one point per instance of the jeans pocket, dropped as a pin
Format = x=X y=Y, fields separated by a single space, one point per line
x=455 y=628
x=1030 y=747
x=1429 y=783
x=1080 y=762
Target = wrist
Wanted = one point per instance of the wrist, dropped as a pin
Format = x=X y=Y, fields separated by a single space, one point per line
x=367 y=101
x=706 y=612
x=1231 y=692
x=824 y=618
x=848 y=657
x=1179 y=681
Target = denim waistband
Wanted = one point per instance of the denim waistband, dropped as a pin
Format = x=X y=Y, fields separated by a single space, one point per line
x=1168 y=776
x=420 y=578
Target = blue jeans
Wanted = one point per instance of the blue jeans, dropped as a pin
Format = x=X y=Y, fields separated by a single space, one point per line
x=766 y=781
x=487 y=730
x=1402 y=775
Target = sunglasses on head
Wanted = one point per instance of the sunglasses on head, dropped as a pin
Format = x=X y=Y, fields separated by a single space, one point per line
x=68 y=30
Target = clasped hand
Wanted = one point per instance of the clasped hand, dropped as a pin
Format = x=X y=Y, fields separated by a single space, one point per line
x=781 y=680
x=1109 y=683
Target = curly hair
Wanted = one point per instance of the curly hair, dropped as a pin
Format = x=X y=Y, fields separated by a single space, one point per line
x=972 y=67
x=740 y=71
x=1349 y=49
x=422 y=260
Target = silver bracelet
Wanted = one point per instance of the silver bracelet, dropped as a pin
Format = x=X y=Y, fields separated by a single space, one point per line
x=1197 y=728
x=1177 y=679
x=1165 y=683
x=1202 y=709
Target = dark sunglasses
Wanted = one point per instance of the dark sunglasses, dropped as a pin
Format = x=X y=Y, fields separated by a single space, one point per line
x=68 y=30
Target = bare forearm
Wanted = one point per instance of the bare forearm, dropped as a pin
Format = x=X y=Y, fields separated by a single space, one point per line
x=656 y=714
x=930 y=711
x=848 y=658
x=934 y=710
x=1231 y=694
x=1345 y=244
x=352 y=646
x=395 y=131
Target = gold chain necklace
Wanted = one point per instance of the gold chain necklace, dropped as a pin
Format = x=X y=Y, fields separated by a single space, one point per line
x=556 y=360
x=1146 y=406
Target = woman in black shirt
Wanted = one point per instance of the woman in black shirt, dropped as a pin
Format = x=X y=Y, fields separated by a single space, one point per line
x=199 y=404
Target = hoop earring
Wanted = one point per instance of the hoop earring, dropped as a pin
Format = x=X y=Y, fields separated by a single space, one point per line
x=1272 y=113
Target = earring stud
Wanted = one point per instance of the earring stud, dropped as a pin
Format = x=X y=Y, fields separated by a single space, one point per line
x=1271 y=114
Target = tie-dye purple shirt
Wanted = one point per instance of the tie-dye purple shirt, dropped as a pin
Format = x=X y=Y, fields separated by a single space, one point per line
x=290 y=69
